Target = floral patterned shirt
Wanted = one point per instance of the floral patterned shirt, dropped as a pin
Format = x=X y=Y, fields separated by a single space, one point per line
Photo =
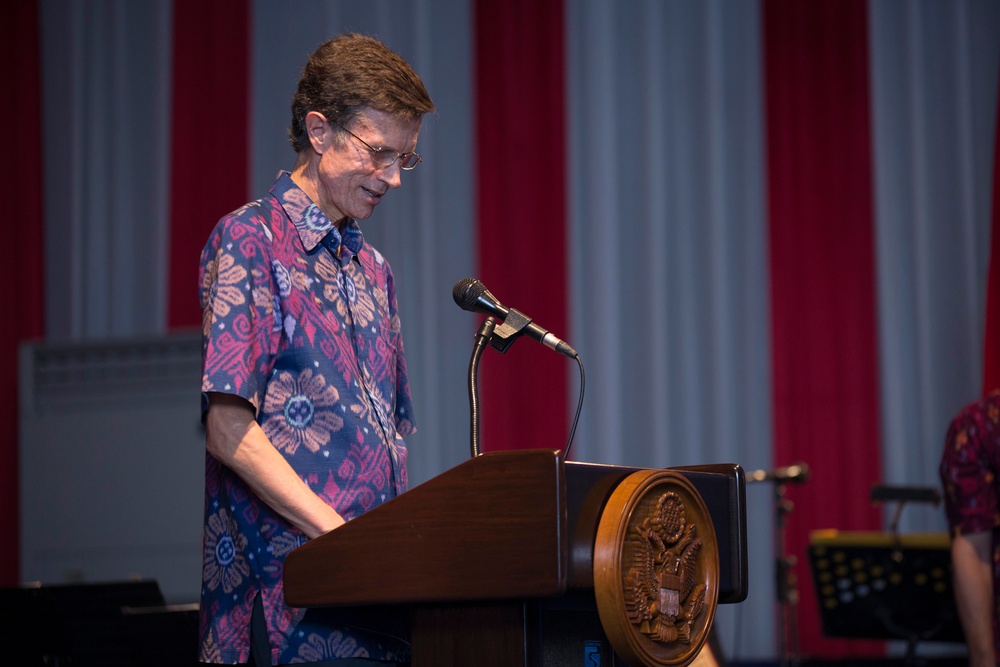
x=302 y=322
x=969 y=468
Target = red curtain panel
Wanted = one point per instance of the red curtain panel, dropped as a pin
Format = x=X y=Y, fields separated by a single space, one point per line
x=209 y=140
x=23 y=304
x=521 y=211
x=821 y=226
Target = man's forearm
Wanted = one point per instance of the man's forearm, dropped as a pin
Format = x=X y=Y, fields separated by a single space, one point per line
x=972 y=563
x=235 y=438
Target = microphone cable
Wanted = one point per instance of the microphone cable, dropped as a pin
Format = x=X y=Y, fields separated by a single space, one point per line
x=579 y=408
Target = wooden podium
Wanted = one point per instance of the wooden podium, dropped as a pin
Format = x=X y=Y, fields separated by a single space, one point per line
x=493 y=561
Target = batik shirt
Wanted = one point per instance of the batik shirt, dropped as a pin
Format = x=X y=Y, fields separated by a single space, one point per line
x=301 y=321
x=969 y=468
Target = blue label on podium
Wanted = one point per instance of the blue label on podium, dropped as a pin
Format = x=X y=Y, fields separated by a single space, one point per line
x=593 y=654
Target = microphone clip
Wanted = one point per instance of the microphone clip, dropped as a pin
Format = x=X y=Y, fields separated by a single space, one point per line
x=511 y=329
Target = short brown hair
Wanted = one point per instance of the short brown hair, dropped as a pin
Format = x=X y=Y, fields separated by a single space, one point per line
x=352 y=72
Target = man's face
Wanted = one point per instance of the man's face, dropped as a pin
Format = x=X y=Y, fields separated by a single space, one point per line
x=351 y=183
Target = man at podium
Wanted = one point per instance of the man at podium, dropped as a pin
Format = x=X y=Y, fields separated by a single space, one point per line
x=305 y=393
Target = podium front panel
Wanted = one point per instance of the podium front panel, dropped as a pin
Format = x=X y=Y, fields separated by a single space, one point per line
x=493 y=527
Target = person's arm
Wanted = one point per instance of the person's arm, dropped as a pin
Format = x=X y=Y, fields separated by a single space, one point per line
x=236 y=439
x=972 y=562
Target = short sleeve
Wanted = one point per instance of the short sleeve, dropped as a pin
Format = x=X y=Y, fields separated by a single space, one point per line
x=403 y=409
x=968 y=472
x=238 y=310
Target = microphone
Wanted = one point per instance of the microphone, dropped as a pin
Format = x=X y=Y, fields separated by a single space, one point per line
x=471 y=294
x=797 y=472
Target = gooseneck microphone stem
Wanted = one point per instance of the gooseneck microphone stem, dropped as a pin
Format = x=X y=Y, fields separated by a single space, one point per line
x=483 y=337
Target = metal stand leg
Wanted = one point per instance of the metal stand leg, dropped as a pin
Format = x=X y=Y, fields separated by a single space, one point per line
x=785 y=583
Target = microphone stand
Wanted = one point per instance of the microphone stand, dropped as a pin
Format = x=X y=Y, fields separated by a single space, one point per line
x=786 y=585
x=483 y=337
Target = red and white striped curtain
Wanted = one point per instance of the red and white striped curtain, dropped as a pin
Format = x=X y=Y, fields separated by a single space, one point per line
x=766 y=227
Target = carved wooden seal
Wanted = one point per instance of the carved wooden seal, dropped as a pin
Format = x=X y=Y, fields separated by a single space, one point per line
x=656 y=569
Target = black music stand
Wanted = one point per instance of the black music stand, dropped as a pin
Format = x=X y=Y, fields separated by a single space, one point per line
x=873 y=585
x=113 y=624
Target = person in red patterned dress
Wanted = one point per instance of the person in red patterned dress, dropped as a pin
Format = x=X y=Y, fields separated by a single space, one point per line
x=969 y=474
x=306 y=401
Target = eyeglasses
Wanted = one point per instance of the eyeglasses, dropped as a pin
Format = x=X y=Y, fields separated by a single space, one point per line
x=385 y=157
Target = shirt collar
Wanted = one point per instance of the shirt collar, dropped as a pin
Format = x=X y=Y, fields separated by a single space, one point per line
x=311 y=223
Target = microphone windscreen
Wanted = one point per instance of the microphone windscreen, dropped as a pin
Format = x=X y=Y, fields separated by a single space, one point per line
x=467 y=292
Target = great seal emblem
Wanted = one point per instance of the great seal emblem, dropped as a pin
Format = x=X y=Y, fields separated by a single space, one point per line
x=656 y=569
